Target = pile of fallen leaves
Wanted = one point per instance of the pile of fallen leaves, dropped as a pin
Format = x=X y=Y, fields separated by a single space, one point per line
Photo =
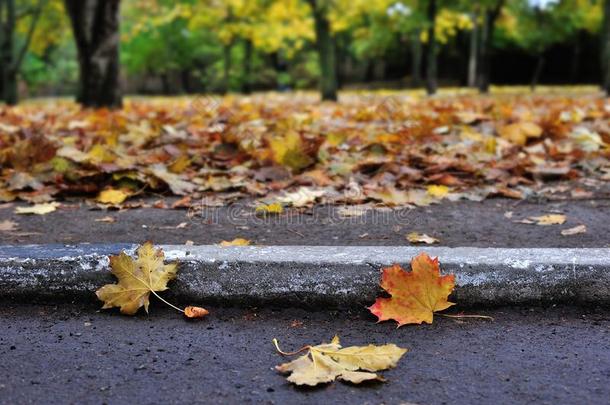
x=289 y=149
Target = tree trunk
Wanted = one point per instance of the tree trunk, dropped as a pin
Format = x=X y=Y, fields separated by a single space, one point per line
x=485 y=49
x=165 y=83
x=605 y=50
x=576 y=55
x=326 y=52
x=537 y=71
x=247 y=79
x=473 y=50
x=7 y=44
x=95 y=24
x=431 y=68
x=185 y=81
x=10 y=62
x=9 y=89
x=226 y=75
x=3 y=41
x=416 y=59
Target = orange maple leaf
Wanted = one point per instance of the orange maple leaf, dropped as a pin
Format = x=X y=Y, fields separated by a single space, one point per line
x=415 y=295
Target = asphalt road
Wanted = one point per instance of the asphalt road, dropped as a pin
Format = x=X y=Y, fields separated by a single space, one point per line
x=490 y=223
x=72 y=354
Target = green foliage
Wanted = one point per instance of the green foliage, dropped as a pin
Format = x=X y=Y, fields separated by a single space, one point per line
x=535 y=29
x=164 y=37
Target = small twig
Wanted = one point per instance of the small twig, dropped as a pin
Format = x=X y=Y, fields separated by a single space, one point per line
x=296 y=232
x=168 y=303
x=283 y=353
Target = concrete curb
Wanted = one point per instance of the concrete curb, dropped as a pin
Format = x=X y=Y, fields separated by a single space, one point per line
x=313 y=275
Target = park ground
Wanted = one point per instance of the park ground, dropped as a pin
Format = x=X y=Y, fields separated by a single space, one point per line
x=285 y=169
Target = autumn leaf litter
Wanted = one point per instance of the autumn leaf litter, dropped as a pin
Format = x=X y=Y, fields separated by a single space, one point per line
x=289 y=150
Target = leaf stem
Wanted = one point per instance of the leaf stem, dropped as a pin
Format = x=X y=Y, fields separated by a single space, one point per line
x=283 y=353
x=467 y=316
x=170 y=304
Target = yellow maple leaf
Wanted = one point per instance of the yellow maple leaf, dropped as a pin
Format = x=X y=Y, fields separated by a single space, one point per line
x=329 y=361
x=415 y=295
x=137 y=279
x=112 y=196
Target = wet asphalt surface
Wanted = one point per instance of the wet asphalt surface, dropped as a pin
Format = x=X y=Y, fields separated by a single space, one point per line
x=76 y=354
x=490 y=223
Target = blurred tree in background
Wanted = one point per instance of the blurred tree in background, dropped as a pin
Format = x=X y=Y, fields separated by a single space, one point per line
x=54 y=47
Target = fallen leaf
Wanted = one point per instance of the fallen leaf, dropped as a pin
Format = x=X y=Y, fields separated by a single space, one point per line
x=7 y=225
x=184 y=202
x=302 y=197
x=329 y=361
x=581 y=193
x=175 y=182
x=160 y=204
x=288 y=150
x=353 y=210
x=415 y=237
x=235 y=242
x=587 y=140
x=108 y=219
x=575 y=230
x=137 y=279
x=265 y=209
x=112 y=196
x=415 y=295
x=438 y=191
x=394 y=197
x=470 y=117
x=520 y=132
x=37 y=209
x=195 y=312
x=180 y=164
x=544 y=220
